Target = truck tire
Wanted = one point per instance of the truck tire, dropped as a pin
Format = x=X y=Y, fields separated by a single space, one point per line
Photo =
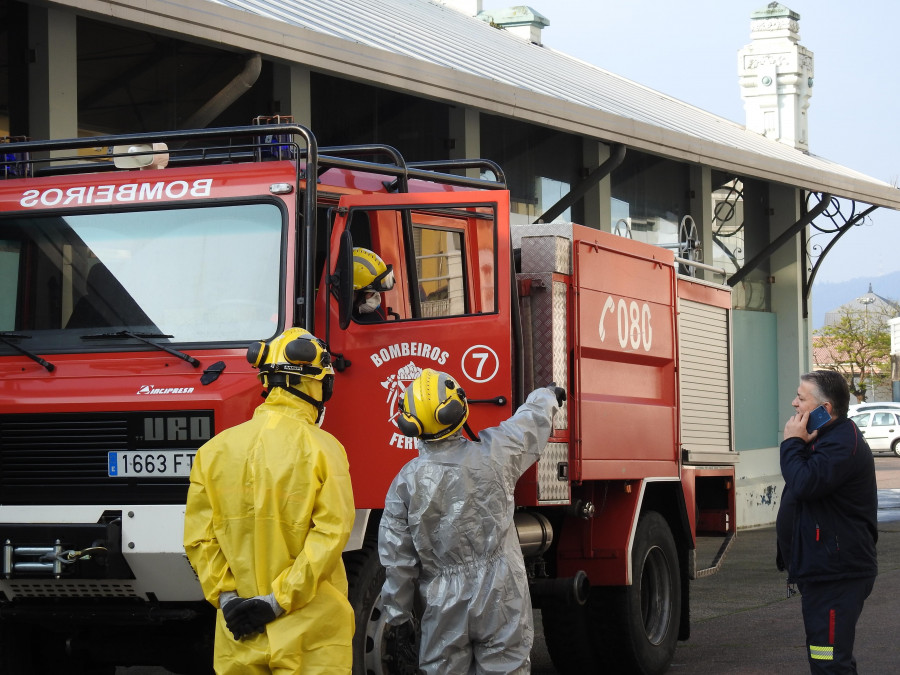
x=624 y=629
x=365 y=577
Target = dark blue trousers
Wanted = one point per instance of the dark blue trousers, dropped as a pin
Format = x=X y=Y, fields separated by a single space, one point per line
x=830 y=612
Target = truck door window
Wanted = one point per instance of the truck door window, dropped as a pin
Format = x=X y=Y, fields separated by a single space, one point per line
x=444 y=258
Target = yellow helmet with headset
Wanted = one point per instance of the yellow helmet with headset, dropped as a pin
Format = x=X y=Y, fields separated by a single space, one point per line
x=294 y=354
x=432 y=407
x=370 y=273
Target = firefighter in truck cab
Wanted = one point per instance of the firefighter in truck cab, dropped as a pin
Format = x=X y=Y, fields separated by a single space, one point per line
x=269 y=510
x=371 y=278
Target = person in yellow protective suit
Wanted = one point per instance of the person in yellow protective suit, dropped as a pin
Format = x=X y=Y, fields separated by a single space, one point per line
x=269 y=510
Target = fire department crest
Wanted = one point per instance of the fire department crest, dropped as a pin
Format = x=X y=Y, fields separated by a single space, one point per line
x=395 y=385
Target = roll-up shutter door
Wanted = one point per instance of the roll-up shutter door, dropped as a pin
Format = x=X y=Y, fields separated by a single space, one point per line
x=705 y=378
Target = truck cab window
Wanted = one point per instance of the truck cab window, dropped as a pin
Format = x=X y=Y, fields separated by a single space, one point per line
x=195 y=274
x=443 y=259
x=10 y=253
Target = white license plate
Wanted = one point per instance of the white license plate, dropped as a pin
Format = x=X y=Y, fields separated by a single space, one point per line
x=150 y=463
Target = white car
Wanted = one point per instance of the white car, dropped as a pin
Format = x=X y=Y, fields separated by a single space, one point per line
x=862 y=407
x=881 y=428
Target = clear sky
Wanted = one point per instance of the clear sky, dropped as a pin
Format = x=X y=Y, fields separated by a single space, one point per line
x=688 y=49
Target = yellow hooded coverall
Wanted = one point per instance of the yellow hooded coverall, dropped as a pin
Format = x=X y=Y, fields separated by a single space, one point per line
x=269 y=510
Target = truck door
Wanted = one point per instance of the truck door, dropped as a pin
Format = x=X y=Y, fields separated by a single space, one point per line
x=449 y=310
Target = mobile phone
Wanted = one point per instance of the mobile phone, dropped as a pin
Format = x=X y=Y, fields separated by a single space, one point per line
x=818 y=418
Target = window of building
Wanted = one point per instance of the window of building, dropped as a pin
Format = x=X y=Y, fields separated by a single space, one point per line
x=440 y=270
x=650 y=198
x=541 y=166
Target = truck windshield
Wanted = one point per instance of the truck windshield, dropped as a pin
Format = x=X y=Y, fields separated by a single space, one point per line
x=202 y=274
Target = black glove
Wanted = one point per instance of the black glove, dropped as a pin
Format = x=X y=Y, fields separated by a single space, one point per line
x=248 y=616
x=559 y=392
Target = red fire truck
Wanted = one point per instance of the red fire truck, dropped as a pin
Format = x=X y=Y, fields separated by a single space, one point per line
x=132 y=281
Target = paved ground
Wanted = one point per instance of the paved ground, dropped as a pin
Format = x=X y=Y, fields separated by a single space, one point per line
x=742 y=623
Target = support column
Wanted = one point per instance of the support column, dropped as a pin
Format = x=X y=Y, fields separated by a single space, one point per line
x=291 y=84
x=53 y=75
x=465 y=135
x=786 y=269
x=701 y=210
x=597 y=204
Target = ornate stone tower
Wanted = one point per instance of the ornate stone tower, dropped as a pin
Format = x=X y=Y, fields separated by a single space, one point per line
x=776 y=76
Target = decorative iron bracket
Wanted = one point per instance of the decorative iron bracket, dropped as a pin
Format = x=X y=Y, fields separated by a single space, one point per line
x=840 y=224
x=779 y=241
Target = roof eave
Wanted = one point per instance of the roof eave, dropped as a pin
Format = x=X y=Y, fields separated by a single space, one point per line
x=238 y=29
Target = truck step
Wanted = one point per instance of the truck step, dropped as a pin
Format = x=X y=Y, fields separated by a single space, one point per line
x=719 y=557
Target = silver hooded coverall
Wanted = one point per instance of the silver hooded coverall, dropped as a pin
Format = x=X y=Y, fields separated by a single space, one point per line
x=448 y=530
x=269 y=509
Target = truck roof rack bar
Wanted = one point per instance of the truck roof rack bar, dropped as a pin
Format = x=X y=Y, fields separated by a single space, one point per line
x=451 y=164
x=178 y=135
x=342 y=157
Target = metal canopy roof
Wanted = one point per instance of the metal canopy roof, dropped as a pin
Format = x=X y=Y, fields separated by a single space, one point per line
x=434 y=51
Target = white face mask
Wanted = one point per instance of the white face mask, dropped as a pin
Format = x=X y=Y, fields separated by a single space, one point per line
x=371 y=304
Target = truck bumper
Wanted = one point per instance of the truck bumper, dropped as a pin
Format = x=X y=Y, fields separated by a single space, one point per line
x=121 y=551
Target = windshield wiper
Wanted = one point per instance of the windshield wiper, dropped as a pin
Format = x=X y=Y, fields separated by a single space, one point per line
x=143 y=337
x=4 y=337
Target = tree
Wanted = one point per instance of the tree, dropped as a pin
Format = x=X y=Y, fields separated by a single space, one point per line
x=858 y=345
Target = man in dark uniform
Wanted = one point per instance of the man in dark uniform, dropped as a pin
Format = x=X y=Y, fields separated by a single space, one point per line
x=827 y=524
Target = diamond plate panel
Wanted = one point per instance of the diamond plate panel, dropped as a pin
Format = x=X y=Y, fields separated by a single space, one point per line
x=552 y=490
x=547 y=254
x=544 y=336
x=517 y=232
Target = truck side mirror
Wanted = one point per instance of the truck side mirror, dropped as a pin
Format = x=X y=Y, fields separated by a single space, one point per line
x=342 y=280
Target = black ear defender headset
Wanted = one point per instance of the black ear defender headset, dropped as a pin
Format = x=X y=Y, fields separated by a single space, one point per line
x=257 y=353
x=409 y=424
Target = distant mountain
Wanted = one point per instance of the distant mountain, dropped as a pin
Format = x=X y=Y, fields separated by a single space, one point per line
x=829 y=296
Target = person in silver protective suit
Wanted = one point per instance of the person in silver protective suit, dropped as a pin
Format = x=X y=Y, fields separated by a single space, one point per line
x=447 y=531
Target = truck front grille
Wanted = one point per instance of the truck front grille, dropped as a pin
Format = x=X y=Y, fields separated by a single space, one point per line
x=62 y=459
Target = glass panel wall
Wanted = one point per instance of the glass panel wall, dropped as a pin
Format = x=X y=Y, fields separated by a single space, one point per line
x=541 y=166
x=650 y=198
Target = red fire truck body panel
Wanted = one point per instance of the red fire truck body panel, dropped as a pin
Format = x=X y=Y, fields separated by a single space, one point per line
x=625 y=342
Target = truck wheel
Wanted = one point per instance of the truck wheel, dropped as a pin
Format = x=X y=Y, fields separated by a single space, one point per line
x=371 y=655
x=625 y=629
